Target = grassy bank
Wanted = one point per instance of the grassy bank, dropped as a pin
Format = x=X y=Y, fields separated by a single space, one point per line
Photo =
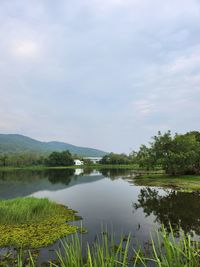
x=165 y=251
x=33 y=223
x=185 y=182
x=86 y=166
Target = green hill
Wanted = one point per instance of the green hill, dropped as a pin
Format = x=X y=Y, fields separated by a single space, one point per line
x=15 y=143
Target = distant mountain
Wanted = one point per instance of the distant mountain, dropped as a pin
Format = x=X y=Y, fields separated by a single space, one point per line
x=16 y=143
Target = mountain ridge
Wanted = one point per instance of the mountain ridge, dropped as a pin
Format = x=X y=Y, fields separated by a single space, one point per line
x=18 y=143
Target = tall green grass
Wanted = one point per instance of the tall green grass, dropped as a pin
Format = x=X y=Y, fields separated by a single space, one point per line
x=166 y=251
x=104 y=252
x=26 y=210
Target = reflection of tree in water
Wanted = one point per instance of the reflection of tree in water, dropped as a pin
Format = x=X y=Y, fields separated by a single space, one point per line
x=60 y=176
x=87 y=171
x=181 y=209
x=21 y=175
x=54 y=176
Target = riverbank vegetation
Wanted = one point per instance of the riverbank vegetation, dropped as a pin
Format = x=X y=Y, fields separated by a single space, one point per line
x=116 y=159
x=165 y=251
x=176 y=155
x=61 y=159
x=188 y=183
x=33 y=223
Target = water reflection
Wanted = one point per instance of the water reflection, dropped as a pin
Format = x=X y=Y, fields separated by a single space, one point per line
x=116 y=173
x=107 y=199
x=20 y=183
x=60 y=176
x=181 y=209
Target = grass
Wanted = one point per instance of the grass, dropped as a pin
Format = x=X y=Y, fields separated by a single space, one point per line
x=27 y=210
x=165 y=251
x=186 y=182
x=33 y=223
x=169 y=252
x=104 y=252
x=86 y=166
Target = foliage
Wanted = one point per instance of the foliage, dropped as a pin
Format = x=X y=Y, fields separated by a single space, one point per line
x=21 y=160
x=146 y=158
x=166 y=251
x=183 y=183
x=33 y=223
x=179 y=154
x=114 y=158
x=60 y=159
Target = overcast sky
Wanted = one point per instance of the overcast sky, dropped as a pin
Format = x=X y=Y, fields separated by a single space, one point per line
x=101 y=73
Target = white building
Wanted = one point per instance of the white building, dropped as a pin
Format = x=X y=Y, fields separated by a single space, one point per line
x=94 y=159
x=78 y=162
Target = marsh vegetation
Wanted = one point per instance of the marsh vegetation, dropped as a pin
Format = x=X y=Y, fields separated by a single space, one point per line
x=31 y=222
x=135 y=192
x=164 y=251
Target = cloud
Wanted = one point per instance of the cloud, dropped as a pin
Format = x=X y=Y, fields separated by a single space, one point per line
x=107 y=74
x=25 y=49
x=143 y=108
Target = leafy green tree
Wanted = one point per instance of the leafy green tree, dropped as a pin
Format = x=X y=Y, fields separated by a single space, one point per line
x=146 y=157
x=114 y=158
x=3 y=160
x=179 y=154
x=60 y=159
x=183 y=156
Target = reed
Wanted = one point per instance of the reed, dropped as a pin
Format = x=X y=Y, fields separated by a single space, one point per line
x=166 y=251
x=26 y=210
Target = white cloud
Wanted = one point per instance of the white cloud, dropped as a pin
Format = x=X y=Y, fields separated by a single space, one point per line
x=99 y=72
x=186 y=63
x=25 y=48
x=142 y=108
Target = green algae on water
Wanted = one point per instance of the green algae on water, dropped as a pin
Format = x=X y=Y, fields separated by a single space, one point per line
x=34 y=223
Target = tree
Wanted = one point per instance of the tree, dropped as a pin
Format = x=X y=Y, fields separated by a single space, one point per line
x=3 y=159
x=179 y=154
x=146 y=158
x=60 y=159
x=114 y=158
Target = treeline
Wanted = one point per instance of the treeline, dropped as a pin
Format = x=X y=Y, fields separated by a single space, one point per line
x=61 y=159
x=55 y=159
x=177 y=155
x=114 y=158
x=22 y=160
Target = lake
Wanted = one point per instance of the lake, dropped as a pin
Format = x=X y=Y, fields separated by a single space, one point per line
x=107 y=199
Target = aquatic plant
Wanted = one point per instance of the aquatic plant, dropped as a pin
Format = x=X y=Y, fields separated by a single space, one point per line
x=33 y=223
x=166 y=251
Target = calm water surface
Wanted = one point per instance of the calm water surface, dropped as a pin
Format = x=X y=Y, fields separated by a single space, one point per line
x=107 y=198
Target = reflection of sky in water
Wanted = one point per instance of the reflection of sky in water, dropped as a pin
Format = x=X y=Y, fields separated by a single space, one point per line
x=107 y=198
x=103 y=202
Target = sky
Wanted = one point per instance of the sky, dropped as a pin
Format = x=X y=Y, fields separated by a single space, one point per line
x=107 y=74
